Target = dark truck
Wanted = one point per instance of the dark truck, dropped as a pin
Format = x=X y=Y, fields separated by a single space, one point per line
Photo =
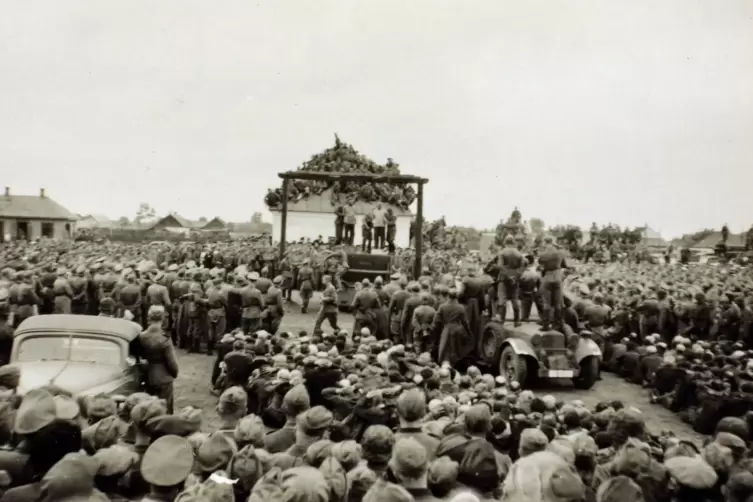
x=360 y=267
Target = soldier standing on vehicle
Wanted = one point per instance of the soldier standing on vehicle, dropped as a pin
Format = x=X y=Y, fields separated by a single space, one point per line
x=552 y=263
x=530 y=287
x=512 y=264
x=162 y=364
x=350 y=223
x=328 y=309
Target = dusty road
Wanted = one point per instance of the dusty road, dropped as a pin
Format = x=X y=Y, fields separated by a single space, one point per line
x=192 y=386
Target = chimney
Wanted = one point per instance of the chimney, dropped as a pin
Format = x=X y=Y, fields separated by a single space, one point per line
x=41 y=192
x=7 y=191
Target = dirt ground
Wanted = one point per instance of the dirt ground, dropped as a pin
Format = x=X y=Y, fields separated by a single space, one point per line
x=192 y=386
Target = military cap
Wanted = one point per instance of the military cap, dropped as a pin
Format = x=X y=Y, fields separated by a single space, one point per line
x=66 y=408
x=246 y=466
x=9 y=376
x=78 y=471
x=296 y=401
x=107 y=305
x=619 y=488
x=146 y=410
x=253 y=276
x=317 y=452
x=172 y=267
x=216 y=452
x=167 y=462
x=232 y=401
x=692 y=472
x=100 y=406
x=304 y=484
x=348 y=453
x=250 y=430
x=170 y=425
x=409 y=459
x=377 y=442
x=277 y=280
x=315 y=420
x=115 y=460
x=36 y=411
x=104 y=433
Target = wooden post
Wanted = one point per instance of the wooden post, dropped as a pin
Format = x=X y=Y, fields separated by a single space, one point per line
x=419 y=231
x=284 y=217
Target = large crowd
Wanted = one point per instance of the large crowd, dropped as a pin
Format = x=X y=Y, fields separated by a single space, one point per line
x=377 y=413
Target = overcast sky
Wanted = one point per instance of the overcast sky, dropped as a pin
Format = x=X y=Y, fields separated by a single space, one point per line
x=632 y=111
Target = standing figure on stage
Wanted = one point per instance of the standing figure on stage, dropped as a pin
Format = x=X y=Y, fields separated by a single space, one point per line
x=350 y=223
x=339 y=223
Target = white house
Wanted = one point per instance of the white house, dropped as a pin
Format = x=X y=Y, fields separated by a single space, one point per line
x=314 y=215
x=92 y=221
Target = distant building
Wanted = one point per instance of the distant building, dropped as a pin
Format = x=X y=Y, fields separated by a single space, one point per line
x=95 y=221
x=314 y=215
x=735 y=242
x=175 y=223
x=215 y=224
x=33 y=216
x=652 y=238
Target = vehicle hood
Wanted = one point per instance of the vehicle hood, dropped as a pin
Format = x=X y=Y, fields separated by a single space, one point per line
x=75 y=377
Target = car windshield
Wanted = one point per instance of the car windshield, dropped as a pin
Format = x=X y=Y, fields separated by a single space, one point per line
x=82 y=349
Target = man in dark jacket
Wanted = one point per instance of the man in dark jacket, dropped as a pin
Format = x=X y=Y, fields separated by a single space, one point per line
x=162 y=364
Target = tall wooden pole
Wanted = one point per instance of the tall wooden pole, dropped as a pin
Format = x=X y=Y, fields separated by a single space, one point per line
x=284 y=217
x=419 y=230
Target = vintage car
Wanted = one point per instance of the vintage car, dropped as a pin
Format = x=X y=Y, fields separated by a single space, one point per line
x=84 y=355
x=526 y=353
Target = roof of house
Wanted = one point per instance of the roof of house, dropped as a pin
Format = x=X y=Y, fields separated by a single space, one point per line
x=710 y=242
x=323 y=204
x=179 y=221
x=99 y=220
x=215 y=223
x=33 y=207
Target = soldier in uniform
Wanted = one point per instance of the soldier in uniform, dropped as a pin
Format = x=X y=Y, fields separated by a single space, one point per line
x=305 y=284
x=286 y=270
x=512 y=264
x=406 y=316
x=130 y=298
x=180 y=288
x=162 y=364
x=365 y=305
x=397 y=303
x=109 y=285
x=423 y=317
x=107 y=307
x=158 y=294
x=529 y=287
x=26 y=300
x=273 y=307
x=63 y=293
x=45 y=292
x=79 y=286
x=217 y=313
x=253 y=304
x=552 y=262
x=196 y=307
x=472 y=296
x=328 y=309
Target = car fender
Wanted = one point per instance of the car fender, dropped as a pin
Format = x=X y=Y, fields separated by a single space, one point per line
x=519 y=346
x=586 y=347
